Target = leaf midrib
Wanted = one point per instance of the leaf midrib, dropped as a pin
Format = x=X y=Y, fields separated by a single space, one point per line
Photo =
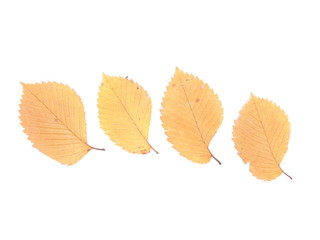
x=264 y=132
x=194 y=117
x=25 y=85
x=134 y=123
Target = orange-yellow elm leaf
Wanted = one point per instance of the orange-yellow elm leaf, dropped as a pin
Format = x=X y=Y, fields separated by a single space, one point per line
x=125 y=113
x=191 y=114
x=53 y=117
x=261 y=136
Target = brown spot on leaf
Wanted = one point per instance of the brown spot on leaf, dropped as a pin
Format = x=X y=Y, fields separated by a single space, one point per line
x=173 y=84
x=197 y=100
x=144 y=151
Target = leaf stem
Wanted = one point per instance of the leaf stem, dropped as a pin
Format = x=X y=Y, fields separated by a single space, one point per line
x=214 y=157
x=285 y=173
x=100 y=149
x=153 y=149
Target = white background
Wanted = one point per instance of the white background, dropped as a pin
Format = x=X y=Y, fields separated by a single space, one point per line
x=270 y=48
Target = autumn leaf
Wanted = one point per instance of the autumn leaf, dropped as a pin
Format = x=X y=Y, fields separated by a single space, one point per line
x=191 y=115
x=124 y=113
x=261 y=135
x=53 y=117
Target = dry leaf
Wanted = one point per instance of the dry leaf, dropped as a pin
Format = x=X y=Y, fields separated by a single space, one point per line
x=261 y=135
x=191 y=115
x=124 y=113
x=53 y=117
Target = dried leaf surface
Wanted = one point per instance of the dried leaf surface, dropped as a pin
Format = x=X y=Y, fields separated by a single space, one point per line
x=261 y=135
x=191 y=115
x=53 y=117
x=124 y=113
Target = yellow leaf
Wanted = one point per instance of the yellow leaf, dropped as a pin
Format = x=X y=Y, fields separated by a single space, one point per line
x=124 y=113
x=53 y=117
x=261 y=135
x=191 y=115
